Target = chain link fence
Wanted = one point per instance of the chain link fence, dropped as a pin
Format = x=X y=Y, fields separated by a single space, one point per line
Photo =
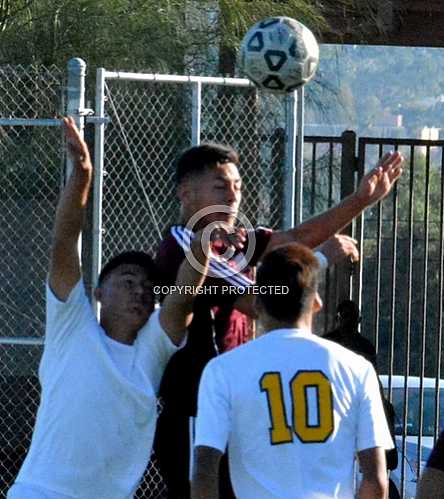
x=149 y=125
x=30 y=176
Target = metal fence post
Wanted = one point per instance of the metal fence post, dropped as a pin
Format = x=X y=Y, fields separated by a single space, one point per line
x=359 y=232
x=299 y=182
x=76 y=96
x=290 y=160
x=196 y=112
x=348 y=171
x=99 y=146
x=294 y=159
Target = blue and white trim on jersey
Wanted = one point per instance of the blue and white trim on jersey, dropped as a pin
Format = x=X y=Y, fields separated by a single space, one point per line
x=218 y=268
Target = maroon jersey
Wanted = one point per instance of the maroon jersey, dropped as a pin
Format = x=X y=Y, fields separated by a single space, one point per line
x=217 y=326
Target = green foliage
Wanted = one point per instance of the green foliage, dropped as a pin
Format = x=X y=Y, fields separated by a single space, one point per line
x=155 y=35
x=116 y=33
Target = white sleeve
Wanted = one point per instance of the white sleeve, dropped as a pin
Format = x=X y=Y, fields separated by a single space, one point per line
x=66 y=318
x=157 y=347
x=213 y=408
x=372 y=424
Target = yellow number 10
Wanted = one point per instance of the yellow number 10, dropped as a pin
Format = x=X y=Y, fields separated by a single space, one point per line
x=280 y=431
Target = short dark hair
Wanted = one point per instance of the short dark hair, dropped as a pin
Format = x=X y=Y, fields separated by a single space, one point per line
x=196 y=160
x=292 y=265
x=129 y=258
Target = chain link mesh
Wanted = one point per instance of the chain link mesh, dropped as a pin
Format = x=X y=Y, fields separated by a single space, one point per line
x=30 y=174
x=149 y=126
x=19 y=398
x=253 y=126
x=152 y=123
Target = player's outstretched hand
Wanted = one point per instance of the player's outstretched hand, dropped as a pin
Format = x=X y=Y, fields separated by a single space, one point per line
x=76 y=145
x=378 y=182
x=230 y=237
x=339 y=247
x=220 y=235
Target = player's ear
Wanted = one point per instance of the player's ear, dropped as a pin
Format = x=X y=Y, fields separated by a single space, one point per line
x=317 y=303
x=185 y=191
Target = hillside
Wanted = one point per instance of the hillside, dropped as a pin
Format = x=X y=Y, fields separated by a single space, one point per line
x=378 y=90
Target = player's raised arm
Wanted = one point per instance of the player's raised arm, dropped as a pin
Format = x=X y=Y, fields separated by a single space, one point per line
x=177 y=309
x=64 y=270
x=373 y=187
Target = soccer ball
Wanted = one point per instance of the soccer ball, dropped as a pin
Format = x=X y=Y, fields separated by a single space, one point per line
x=279 y=54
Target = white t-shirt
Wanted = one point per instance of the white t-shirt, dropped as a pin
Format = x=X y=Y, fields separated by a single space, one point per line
x=95 y=424
x=294 y=409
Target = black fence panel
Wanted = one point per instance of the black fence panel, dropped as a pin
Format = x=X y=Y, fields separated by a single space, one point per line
x=399 y=287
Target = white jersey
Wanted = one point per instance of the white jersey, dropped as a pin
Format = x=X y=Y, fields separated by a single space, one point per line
x=294 y=409
x=96 y=420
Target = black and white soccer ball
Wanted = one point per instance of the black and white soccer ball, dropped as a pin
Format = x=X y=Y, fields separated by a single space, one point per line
x=279 y=54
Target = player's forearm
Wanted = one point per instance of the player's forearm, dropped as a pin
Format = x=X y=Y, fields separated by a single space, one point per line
x=373 y=489
x=318 y=229
x=177 y=309
x=205 y=481
x=64 y=268
x=191 y=274
x=70 y=213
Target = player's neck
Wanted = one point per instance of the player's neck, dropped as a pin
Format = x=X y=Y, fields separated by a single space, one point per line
x=119 y=332
x=270 y=323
